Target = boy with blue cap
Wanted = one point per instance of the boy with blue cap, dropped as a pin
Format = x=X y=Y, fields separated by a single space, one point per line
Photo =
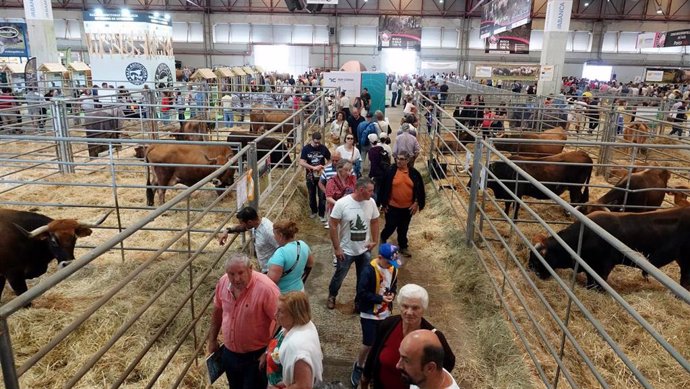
x=375 y=293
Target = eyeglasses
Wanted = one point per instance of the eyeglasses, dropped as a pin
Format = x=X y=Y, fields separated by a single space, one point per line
x=402 y=159
x=349 y=138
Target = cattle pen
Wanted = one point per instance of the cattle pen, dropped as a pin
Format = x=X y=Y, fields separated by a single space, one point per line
x=633 y=331
x=132 y=310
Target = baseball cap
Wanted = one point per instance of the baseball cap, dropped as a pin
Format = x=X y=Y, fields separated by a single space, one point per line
x=390 y=252
x=373 y=138
x=587 y=94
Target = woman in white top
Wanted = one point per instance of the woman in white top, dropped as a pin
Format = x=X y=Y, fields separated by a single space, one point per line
x=348 y=151
x=383 y=122
x=339 y=128
x=294 y=357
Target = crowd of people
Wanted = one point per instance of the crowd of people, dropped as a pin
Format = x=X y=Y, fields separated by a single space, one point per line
x=354 y=175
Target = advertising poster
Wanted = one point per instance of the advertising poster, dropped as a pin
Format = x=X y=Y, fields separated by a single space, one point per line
x=348 y=82
x=376 y=85
x=13 y=42
x=400 y=32
x=663 y=39
x=674 y=76
x=558 y=15
x=515 y=41
x=517 y=72
x=504 y=15
x=38 y=10
x=547 y=73
x=132 y=45
x=31 y=74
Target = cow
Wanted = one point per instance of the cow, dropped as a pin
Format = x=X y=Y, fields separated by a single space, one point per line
x=572 y=173
x=103 y=124
x=663 y=236
x=29 y=241
x=680 y=199
x=264 y=118
x=534 y=149
x=639 y=200
x=637 y=133
x=208 y=157
x=194 y=130
x=264 y=146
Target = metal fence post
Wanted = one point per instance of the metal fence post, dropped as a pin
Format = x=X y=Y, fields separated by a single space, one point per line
x=9 y=370
x=253 y=162
x=115 y=197
x=474 y=189
x=64 y=148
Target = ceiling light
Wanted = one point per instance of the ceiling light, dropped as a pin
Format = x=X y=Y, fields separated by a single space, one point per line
x=659 y=11
x=98 y=11
x=586 y=4
x=125 y=12
x=167 y=16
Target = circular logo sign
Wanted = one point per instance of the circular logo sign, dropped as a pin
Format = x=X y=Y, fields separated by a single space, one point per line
x=164 y=77
x=136 y=73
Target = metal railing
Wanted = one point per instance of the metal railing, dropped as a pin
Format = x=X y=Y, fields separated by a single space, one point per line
x=151 y=306
x=573 y=336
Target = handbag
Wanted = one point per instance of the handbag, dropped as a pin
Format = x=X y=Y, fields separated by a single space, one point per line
x=288 y=271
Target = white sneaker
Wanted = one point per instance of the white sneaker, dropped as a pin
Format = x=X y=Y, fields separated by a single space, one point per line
x=323 y=219
x=326 y=226
x=335 y=261
x=313 y=215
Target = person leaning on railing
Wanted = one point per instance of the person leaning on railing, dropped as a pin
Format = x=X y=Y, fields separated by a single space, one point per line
x=265 y=243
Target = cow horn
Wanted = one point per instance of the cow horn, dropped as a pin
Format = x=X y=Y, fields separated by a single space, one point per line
x=98 y=222
x=32 y=234
x=209 y=160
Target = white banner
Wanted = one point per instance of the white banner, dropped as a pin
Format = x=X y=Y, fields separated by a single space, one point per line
x=349 y=82
x=438 y=65
x=558 y=15
x=38 y=10
x=482 y=71
x=334 y=2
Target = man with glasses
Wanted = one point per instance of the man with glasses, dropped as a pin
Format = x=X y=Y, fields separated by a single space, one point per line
x=401 y=196
x=313 y=159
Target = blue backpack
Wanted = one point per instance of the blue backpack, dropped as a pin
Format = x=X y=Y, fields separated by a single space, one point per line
x=371 y=128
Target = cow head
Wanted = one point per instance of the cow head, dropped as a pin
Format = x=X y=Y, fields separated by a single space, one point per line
x=535 y=264
x=226 y=178
x=61 y=236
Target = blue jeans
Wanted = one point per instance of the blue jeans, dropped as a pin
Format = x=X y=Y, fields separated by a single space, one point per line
x=343 y=267
x=228 y=118
x=317 y=199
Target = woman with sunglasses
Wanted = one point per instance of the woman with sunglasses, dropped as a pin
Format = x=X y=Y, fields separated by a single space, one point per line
x=348 y=152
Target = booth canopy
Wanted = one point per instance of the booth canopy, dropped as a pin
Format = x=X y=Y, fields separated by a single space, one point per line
x=248 y=70
x=238 y=71
x=52 y=68
x=15 y=68
x=225 y=72
x=204 y=73
x=259 y=69
x=78 y=67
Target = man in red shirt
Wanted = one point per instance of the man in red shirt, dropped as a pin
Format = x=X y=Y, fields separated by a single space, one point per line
x=245 y=306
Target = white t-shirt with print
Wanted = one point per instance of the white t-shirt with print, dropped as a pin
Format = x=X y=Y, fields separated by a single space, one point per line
x=383 y=310
x=355 y=218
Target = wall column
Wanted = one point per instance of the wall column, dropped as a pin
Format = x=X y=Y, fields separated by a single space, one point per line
x=41 y=30
x=556 y=28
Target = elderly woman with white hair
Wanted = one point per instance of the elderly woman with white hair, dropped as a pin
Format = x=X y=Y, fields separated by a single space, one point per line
x=380 y=369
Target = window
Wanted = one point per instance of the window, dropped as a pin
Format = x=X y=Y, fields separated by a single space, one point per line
x=366 y=36
x=347 y=35
x=282 y=33
x=610 y=42
x=321 y=35
x=179 y=32
x=262 y=33
x=303 y=34
x=627 y=42
x=431 y=37
x=449 y=39
x=536 y=40
x=221 y=33
x=582 y=41
x=240 y=33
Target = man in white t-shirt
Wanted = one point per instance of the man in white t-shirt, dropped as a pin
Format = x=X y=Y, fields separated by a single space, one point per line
x=421 y=362
x=344 y=104
x=265 y=243
x=354 y=232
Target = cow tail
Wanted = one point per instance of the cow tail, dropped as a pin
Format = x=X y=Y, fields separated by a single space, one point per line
x=585 y=193
x=149 y=190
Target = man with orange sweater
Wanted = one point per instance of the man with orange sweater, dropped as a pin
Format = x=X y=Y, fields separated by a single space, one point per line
x=401 y=195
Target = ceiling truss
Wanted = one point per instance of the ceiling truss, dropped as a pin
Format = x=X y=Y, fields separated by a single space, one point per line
x=642 y=10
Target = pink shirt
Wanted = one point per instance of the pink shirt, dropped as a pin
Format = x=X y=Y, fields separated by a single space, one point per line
x=248 y=321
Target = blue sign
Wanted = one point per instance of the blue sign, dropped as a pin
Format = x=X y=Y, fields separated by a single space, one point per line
x=13 y=42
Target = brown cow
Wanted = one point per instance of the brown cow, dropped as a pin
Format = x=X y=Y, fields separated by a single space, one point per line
x=534 y=149
x=566 y=171
x=264 y=118
x=208 y=157
x=194 y=130
x=637 y=201
x=680 y=199
x=637 y=133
